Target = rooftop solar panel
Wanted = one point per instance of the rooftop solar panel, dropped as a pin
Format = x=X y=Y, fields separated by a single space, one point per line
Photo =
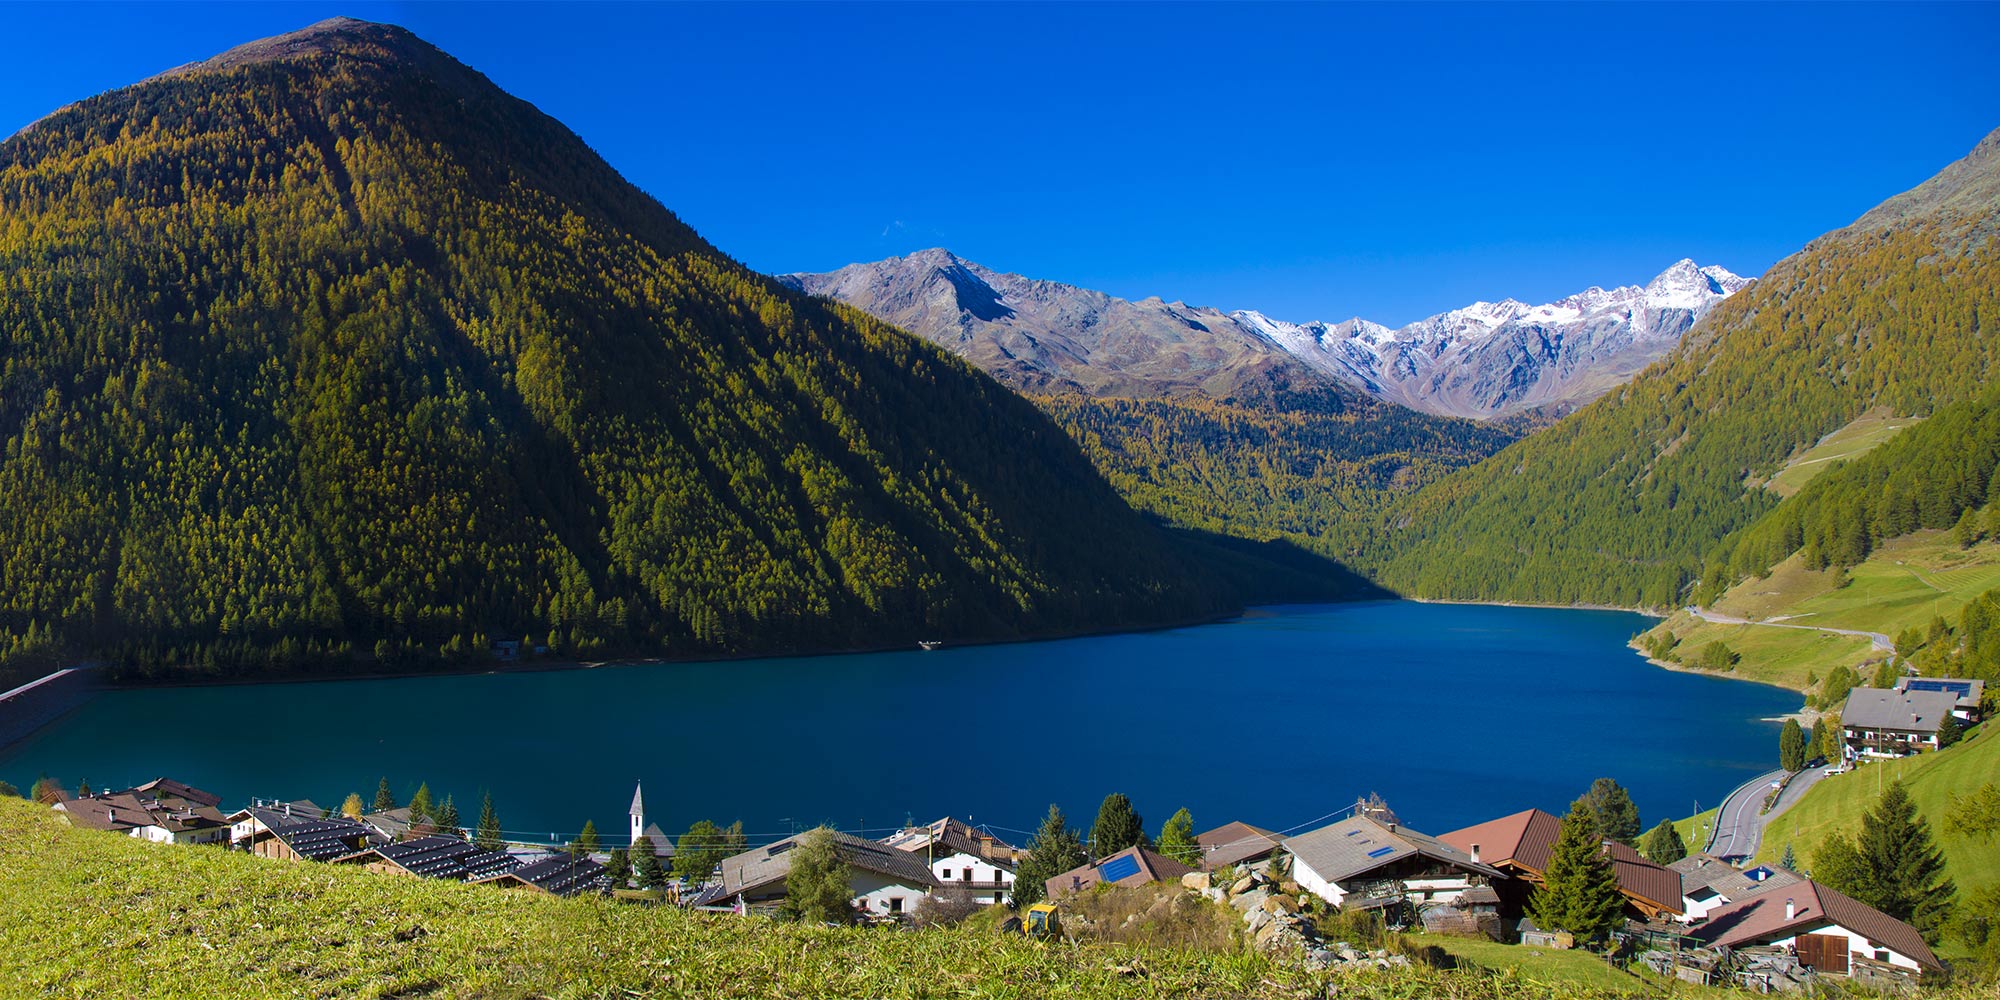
x=1122 y=867
x=1380 y=851
x=1960 y=688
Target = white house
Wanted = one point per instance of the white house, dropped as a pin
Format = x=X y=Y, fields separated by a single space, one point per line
x=961 y=858
x=884 y=881
x=1375 y=863
x=1710 y=883
x=1833 y=933
x=163 y=811
x=1879 y=722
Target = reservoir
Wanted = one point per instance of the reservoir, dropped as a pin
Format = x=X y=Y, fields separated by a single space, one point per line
x=1452 y=713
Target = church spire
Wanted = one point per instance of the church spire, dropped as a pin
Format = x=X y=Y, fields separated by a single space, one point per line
x=638 y=812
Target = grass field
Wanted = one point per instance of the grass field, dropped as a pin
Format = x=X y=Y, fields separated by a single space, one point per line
x=1693 y=830
x=1903 y=584
x=1867 y=431
x=1839 y=802
x=95 y=915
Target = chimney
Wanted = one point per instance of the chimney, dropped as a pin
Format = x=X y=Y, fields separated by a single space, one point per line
x=1791 y=910
x=1475 y=852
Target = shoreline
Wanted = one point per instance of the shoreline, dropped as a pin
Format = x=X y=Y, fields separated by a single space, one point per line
x=1647 y=612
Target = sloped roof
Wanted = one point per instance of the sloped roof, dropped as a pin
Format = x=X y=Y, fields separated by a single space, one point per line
x=1761 y=919
x=638 y=802
x=1131 y=866
x=1702 y=871
x=166 y=789
x=437 y=857
x=1358 y=845
x=954 y=837
x=122 y=812
x=324 y=839
x=762 y=868
x=1526 y=840
x=1234 y=843
x=1969 y=692
x=1908 y=711
x=557 y=876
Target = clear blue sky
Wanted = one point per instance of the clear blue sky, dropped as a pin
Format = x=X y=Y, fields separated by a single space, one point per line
x=1314 y=162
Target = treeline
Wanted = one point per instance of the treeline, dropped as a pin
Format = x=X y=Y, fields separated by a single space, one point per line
x=1623 y=502
x=1938 y=475
x=352 y=355
x=1314 y=468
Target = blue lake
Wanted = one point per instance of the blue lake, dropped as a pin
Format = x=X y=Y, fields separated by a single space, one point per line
x=1453 y=713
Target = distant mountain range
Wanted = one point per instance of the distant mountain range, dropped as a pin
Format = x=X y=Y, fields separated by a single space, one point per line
x=1487 y=360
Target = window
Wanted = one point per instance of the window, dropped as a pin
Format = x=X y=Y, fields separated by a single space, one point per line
x=944 y=873
x=966 y=874
x=895 y=904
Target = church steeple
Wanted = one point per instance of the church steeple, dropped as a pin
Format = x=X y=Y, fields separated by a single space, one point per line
x=638 y=813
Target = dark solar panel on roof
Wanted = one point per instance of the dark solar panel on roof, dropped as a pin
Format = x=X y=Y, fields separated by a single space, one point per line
x=1961 y=688
x=1123 y=867
x=1380 y=851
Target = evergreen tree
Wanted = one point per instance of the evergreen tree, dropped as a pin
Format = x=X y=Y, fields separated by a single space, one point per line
x=1790 y=860
x=1903 y=872
x=1949 y=732
x=385 y=799
x=1663 y=844
x=8 y=791
x=620 y=868
x=1839 y=865
x=1177 y=839
x=1617 y=817
x=83 y=789
x=1792 y=746
x=488 y=834
x=1580 y=891
x=647 y=867
x=1118 y=826
x=1054 y=850
x=421 y=806
x=818 y=888
x=447 y=819
x=353 y=807
x=704 y=847
x=585 y=843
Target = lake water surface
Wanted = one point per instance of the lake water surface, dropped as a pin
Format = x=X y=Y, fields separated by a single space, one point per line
x=1453 y=713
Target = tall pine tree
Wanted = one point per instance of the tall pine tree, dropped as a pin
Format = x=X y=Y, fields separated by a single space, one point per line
x=1055 y=849
x=488 y=834
x=1902 y=871
x=1579 y=893
x=1792 y=746
x=1118 y=826
x=646 y=864
x=385 y=799
x=1617 y=817
x=1663 y=844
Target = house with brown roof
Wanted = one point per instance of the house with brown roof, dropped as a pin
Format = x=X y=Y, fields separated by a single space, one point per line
x=1363 y=862
x=885 y=882
x=1236 y=843
x=163 y=811
x=1831 y=932
x=1522 y=843
x=961 y=858
x=1131 y=866
x=1709 y=883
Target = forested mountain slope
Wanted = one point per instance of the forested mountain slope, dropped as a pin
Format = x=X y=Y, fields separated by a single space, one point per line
x=328 y=347
x=1621 y=502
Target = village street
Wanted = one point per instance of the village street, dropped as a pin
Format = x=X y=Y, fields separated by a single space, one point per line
x=1882 y=642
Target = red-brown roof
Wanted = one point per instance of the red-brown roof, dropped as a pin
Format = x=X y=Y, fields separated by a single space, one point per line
x=1147 y=866
x=1526 y=840
x=1235 y=843
x=1761 y=919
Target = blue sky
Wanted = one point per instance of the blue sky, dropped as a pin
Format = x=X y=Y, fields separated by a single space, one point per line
x=1313 y=162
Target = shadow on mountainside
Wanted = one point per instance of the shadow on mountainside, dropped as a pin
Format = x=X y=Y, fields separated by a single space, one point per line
x=1277 y=571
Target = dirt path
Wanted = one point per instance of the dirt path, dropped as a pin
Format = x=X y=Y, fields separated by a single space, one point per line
x=1882 y=642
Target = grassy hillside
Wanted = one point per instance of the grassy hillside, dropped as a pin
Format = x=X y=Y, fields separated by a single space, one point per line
x=1837 y=804
x=329 y=348
x=1848 y=443
x=1622 y=502
x=164 y=921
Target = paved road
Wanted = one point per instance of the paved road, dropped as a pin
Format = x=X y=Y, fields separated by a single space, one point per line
x=1882 y=642
x=1739 y=827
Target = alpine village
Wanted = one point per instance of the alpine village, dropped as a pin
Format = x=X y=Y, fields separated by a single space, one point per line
x=338 y=376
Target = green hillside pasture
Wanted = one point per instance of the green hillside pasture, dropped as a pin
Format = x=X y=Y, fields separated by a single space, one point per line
x=1781 y=656
x=1855 y=439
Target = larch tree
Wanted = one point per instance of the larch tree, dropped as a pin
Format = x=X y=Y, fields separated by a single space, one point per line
x=421 y=806
x=1662 y=844
x=1579 y=893
x=818 y=888
x=586 y=843
x=1118 y=826
x=1617 y=817
x=1177 y=839
x=353 y=807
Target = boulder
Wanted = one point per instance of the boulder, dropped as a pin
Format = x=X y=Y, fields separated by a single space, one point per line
x=1243 y=885
x=1281 y=904
x=1289 y=888
x=1257 y=920
x=1216 y=893
x=1252 y=900
x=1196 y=881
x=1271 y=937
